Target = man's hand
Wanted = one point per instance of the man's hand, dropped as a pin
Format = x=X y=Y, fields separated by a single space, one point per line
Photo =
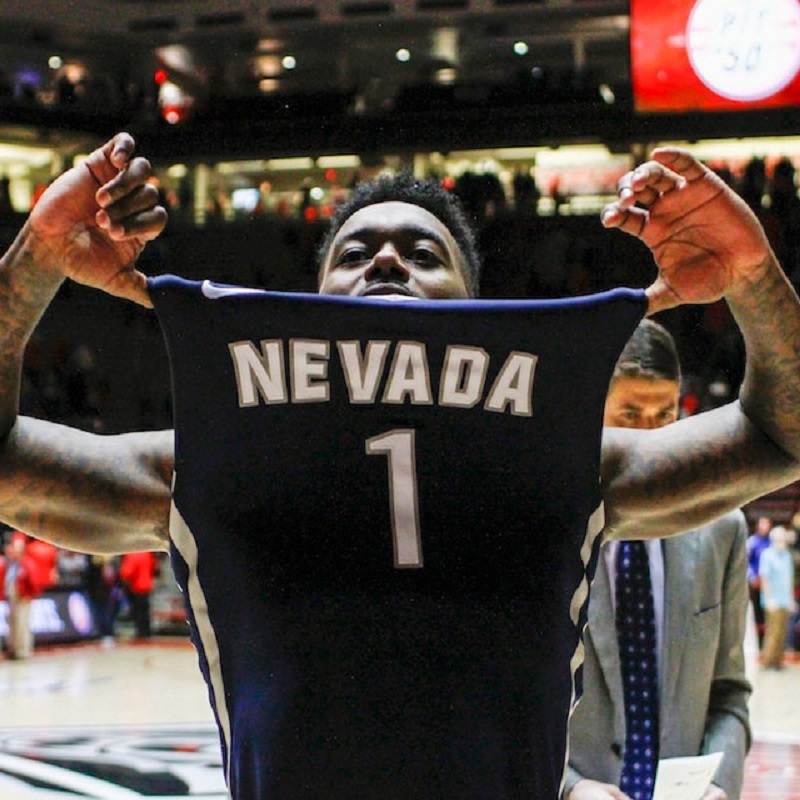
x=715 y=793
x=594 y=790
x=95 y=219
x=706 y=242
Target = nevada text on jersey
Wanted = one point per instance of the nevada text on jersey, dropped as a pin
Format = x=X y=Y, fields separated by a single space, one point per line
x=262 y=376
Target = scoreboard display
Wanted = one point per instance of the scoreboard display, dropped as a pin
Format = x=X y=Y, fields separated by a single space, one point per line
x=715 y=55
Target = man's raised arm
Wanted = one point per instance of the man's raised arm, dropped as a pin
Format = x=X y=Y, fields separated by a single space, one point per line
x=78 y=490
x=707 y=245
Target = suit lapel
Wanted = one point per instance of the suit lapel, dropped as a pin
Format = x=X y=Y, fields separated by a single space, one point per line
x=603 y=630
x=680 y=568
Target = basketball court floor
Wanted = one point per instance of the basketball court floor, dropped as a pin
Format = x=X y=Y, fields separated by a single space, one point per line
x=132 y=720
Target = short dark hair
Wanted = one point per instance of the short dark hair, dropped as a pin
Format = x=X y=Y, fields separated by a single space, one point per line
x=425 y=193
x=650 y=353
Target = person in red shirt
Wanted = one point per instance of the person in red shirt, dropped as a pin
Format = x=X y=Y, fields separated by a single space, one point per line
x=20 y=583
x=44 y=557
x=137 y=571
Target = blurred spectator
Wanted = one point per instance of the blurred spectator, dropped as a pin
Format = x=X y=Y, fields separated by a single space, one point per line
x=44 y=557
x=793 y=635
x=776 y=570
x=724 y=172
x=784 y=208
x=66 y=91
x=6 y=206
x=137 y=571
x=20 y=583
x=753 y=185
x=84 y=386
x=526 y=193
x=757 y=542
x=186 y=199
x=482 y=196
x=104 y=594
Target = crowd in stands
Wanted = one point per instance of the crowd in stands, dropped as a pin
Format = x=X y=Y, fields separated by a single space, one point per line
x=117 y=589
x=525 y=255
x=773 y=575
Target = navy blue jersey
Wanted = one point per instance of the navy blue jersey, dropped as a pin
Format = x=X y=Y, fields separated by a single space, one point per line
x=385 y=517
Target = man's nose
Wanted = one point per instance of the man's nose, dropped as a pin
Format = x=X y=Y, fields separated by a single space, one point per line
x=387 y=263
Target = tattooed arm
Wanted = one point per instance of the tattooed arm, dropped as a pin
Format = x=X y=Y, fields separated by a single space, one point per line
x=76 y=489
x=707 y=245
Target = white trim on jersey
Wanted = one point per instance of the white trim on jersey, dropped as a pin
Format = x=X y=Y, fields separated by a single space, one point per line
x=185 y=543
x=214 y=291
x=594 y=527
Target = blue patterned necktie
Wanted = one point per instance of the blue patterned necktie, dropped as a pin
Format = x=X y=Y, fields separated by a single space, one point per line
x=636 y=632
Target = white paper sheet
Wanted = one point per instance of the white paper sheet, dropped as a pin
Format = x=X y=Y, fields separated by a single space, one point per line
x=685 y=778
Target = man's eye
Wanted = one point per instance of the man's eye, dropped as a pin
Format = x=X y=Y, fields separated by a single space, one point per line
x=425 y=257
x=353 y=255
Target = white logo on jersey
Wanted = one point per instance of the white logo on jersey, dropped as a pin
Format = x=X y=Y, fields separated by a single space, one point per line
x=262 y=375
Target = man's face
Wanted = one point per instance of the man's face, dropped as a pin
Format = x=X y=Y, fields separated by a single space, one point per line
x=394 y=249
x=763 y=526
x=14 y=550
x=641 y=403
x=778 y=536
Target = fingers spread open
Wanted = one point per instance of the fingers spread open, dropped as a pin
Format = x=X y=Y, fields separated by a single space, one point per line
x=680 y=161
x=652 y=176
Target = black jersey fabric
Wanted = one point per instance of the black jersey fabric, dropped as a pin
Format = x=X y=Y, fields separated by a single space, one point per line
x=385 y=517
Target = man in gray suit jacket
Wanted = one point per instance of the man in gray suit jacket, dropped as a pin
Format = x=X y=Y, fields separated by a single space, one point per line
x=700 y=592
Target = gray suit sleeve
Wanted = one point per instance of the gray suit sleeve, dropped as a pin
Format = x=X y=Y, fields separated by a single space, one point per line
x=728 y=724
x=572 y=777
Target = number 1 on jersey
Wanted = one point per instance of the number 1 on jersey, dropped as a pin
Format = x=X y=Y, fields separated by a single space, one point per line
x=398 y=446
